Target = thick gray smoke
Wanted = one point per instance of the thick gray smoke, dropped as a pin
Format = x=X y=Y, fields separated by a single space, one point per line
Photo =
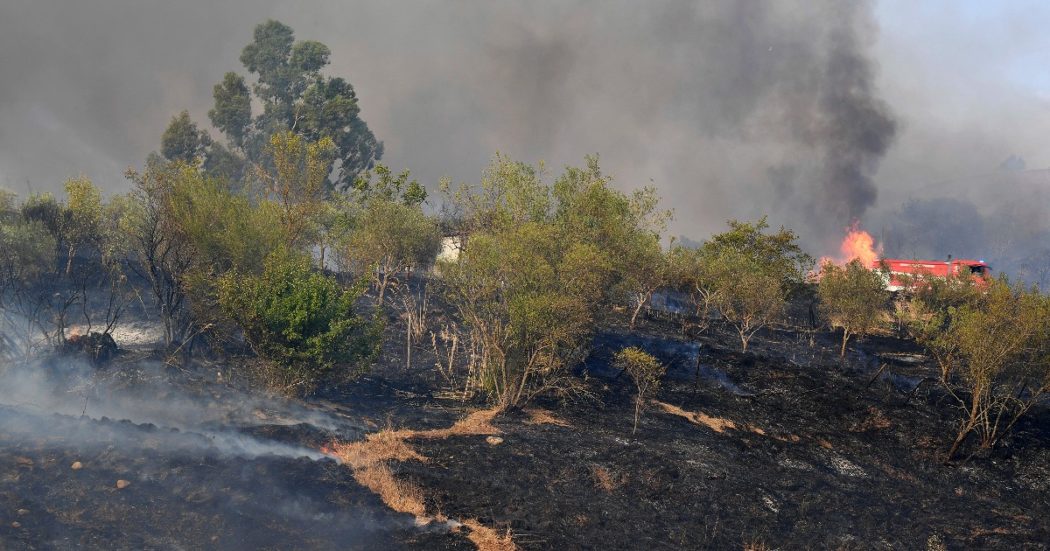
x=713 y=102
x=1002 y=217
x=732 y=108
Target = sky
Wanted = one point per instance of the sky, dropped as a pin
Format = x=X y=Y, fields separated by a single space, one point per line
x=728 y=108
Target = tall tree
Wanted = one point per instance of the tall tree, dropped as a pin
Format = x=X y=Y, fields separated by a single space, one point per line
x=296 y=97
x=183 y=141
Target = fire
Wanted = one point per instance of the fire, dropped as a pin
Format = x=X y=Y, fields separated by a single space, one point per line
x=858 y=244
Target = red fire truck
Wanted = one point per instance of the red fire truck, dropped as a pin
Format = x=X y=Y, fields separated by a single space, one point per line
x=902 y=271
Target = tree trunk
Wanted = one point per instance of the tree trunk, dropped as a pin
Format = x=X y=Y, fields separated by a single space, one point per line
x=637 y=309
x=637 y=412
x=964 y=430
x=69 y=259
x=845 y=339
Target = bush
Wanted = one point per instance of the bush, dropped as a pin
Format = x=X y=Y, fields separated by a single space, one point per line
x=301 y=321
x=645 y=371
x=853 y=298
x=994 y=357
x=751 y=274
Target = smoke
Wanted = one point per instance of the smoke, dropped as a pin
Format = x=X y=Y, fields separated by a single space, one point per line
x=214 y=419
x=1002 y=217
x=813 y=112
x=858 y=131
x=702 y=99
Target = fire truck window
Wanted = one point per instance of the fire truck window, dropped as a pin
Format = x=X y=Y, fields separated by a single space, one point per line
x=978 y=270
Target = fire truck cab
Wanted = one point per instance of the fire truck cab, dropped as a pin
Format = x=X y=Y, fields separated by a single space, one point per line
x=900 y=270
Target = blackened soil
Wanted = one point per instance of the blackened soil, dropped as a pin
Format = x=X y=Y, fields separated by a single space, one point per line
x=824 y=455
x=841 y=465
x=181 y=497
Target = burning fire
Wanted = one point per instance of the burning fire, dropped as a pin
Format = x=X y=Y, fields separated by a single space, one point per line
x=858 y=244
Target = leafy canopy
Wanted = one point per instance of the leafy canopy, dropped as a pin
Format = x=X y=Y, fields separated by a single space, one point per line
x=303 y=321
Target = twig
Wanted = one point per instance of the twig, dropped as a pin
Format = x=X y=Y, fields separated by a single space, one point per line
x=876 y=376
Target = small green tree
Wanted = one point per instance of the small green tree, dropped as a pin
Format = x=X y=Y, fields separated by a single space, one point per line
x=753 y=273
x=645 y=371
x=853 y=298
x=390 y=235
x=692 y=271
x=296 y=182
x=994 y=358
x=303 y=322
x=389 y=240
x=83 y=220
x=27 y=256
x=645 y=271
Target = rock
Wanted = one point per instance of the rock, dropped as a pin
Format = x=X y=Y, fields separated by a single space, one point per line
x=121 y=484
x=16 y=524
x=24 y=461
x=76 y=466
x=23 y=512
x=494 y=440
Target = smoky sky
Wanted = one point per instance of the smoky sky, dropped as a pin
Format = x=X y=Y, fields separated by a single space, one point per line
x=730 y=108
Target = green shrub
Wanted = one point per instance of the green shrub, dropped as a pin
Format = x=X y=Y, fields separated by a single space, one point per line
x=852 y=297
x=302 y=322
x=645 y=370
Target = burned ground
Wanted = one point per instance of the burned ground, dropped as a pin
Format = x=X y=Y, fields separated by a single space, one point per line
x=785 y=446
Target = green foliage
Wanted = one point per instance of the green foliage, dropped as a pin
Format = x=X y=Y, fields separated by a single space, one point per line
x=8 y=210
x=183 y=141
x=628 y=227
x=389 y=239
x=994 y=356
x=382 y=184
x=297 y=98
x=46 y=210
x=296 y=183
x=510 y=193
x=528 y=296
x=226 y=231
x=302 y=321
x=753 y=273
x=540 y=264
x=645 y=371
x=693 y=271
x=232 y=112
x=853 y=298
x=27 y=252
x=774 y=253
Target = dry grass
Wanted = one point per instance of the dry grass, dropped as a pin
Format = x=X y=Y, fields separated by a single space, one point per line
x=478 y=423
x=377 y=447
x=487 y=539
x=716 y=424
x=539 y=416
x=605 y=479
x=876 y=420
x=399 y=495
x=370 y=459
x=721 y=424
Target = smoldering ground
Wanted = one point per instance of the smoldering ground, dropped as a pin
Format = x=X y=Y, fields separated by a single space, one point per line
x=189 y=461
x=205 y=418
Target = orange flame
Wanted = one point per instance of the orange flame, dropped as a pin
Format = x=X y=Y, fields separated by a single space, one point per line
x=857 y=245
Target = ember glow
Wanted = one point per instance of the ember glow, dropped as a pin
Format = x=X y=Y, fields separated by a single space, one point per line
x=858 y=244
